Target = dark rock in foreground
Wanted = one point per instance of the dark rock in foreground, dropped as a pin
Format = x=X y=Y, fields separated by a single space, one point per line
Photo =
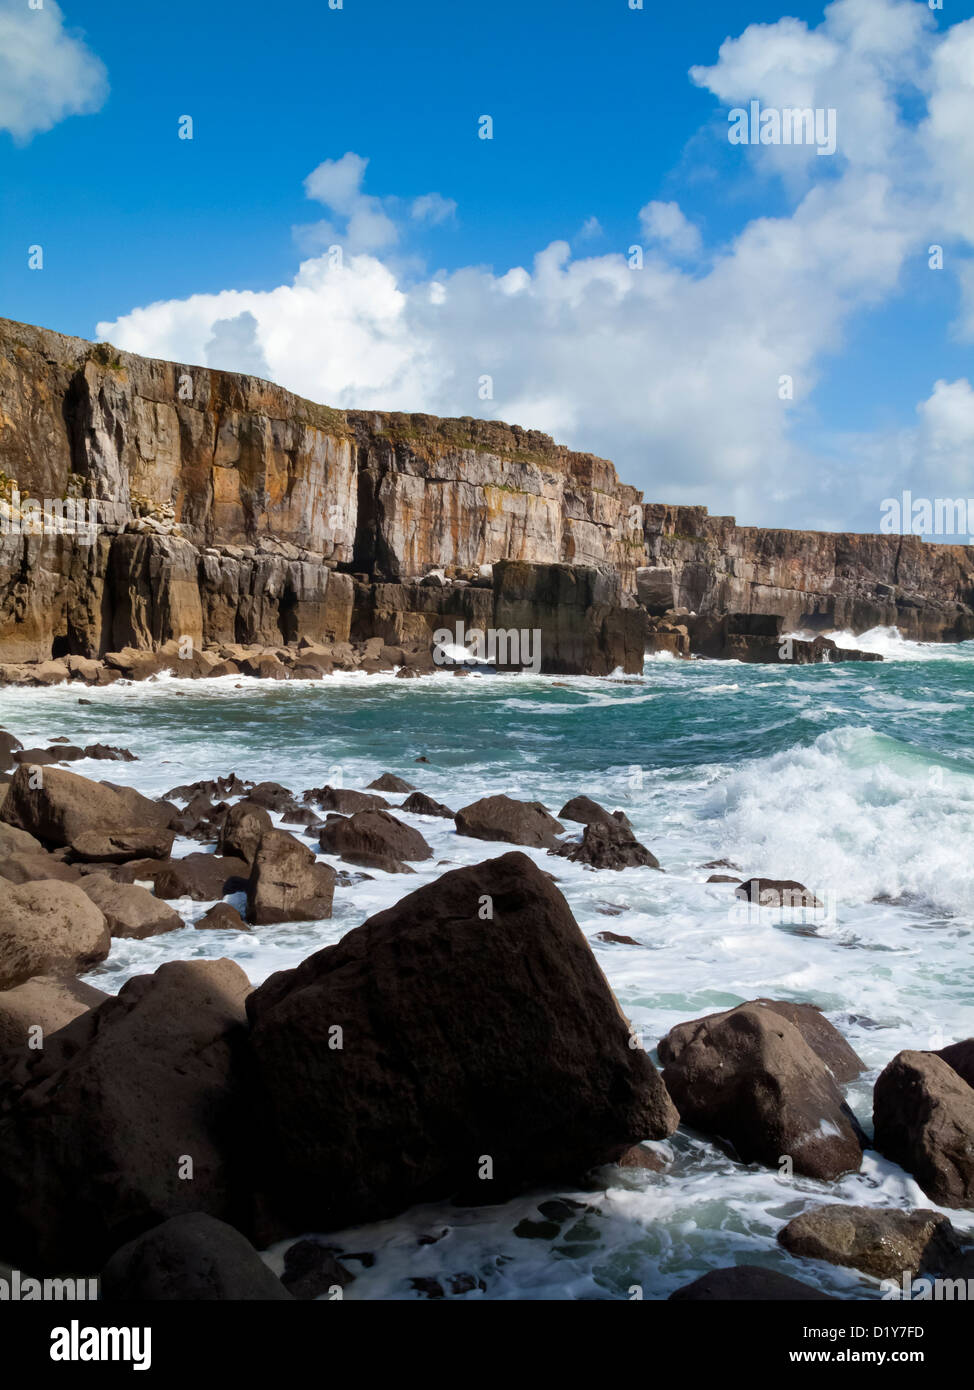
x=748 y=1282
x=94 y=1145
x=880 y=1242
x=748 y=1076
x=189 y=1257
x=477 y=1034
x=48 y=1002
x=923 y=1115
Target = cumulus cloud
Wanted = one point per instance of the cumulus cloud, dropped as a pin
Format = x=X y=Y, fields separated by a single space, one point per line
x=693 y=378
x=46 y=73
x=433 y=208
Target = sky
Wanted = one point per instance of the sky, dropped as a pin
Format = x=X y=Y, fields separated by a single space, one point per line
x=304 y=191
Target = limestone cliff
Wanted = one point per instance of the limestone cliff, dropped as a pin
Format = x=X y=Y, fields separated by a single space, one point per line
x=232 y=511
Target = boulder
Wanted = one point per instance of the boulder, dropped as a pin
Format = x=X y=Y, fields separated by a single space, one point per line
x=44 y=757
x=110 y=753
x=463 y=1040
x=193 y=1257
x=776 y=892
x=311 y=1269
x=9 y=745
x=344 y=800
x=14 y=841
x=823 y=1038
x=513 y=822
x=585 y=811
x=389 y=782
x=373 y=839
x=751 y=1283
x=60 y=808
x=655 y=589
x=748 y=1076
x=923 y=1117
x=272 y=796
x=222 y=917
x=960 y=1056
x=202 y=877
x=611 y=938
x=243 y=828
x=29 y=868
x=879 y=1241
x=48 y=927
x=608 y=844
x=118 y=846
x=419 y=804
x=128 y=1117
x=48 y=1002
x=287 y=884
x=130 y=911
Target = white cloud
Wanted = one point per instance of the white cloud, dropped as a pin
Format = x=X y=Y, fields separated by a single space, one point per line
x=46 y=73
x=433 y=208
x=674 y=374
x=665 y=223
x=946 y=437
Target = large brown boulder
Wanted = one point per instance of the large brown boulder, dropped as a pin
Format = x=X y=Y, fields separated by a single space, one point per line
x=823 y=1038
x=193 y=1257
x=422 y=805
x=747 y=1283
x=119 y=846
x=31 y=866
x=47 y=1002
x=287 y=884
x=373 y=839
x=512 y=822
x=466 y=1033
x=344 y=800
x=877 y=1240
x=14 y=841
x=748 y=1076
x=61 y=809
x=960 y=1056
x=130 y=910
x=48 y=927
x=202 y=877
x=389 y=782
x=584 y=810
x=608 y=844
x=126 y=1119
x=923 y=1117
x=243 y=828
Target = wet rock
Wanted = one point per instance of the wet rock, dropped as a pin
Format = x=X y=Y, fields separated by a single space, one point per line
x=95 y=1147
x=472 y=1036
x=923 y=1117
x=109 y=753
x=222 y=917
x=585 y=811
x=723 y=878
x=823 y=1038
x=287 y=884
x=272 y=796
x=49 y=928
x=748 y=1282
x=373 y=839
x=44 y=757
x=311 y=1269
x=642 y=1158
x=611 y=938
x=9 y=745
x=243 y=828
x=202 y=877
x=343 y=800
x=608 y=845
x=776 y=893
x=748 y=1076
x=389 y=782
x=191 y=1257
x=960 y=1056
x=512 y=822
x=130 y=911
x=422 y=805
x=879 y=1241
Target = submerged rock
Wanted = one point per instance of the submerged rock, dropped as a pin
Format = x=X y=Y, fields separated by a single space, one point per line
x=881 y=1242
x=464 y=1040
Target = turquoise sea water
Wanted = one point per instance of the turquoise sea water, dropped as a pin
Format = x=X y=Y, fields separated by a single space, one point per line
x=857 y=780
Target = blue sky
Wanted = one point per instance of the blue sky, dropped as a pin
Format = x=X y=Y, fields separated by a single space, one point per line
x=595 y=116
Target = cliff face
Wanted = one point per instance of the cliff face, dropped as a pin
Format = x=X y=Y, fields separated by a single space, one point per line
x=230 y=510
x=815 y=580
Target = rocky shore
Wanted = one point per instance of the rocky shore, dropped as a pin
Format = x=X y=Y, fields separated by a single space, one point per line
x=462 y=1044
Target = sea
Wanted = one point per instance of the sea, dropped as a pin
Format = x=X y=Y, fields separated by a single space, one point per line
x=856 y=779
